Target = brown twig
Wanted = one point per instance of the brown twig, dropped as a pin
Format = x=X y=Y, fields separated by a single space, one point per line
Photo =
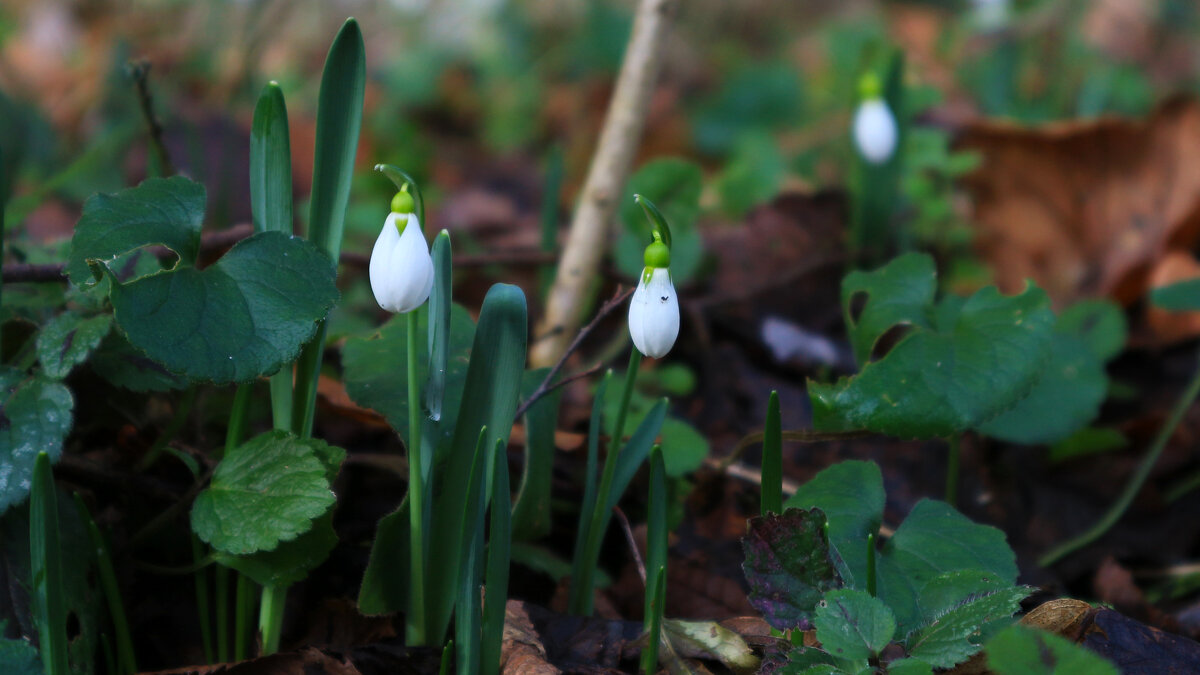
x=587 y=239
x=139 y=72
x=633 y=547
x=18 y=272
x=797 y=435
x=544 y=388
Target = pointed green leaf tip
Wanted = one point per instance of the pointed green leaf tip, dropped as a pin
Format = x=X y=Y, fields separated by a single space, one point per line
x=657 y=221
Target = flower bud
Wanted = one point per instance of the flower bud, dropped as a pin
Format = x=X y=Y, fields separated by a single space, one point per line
x=875 y=131
x=401 y=268
x=654 y=309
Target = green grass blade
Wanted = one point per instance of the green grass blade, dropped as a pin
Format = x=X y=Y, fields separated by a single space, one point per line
x=385 y=583
x=498 y=557
x=271 y=206
x=447 y=654
x=582 y=574
x=551 y=189
x=531 y=514
x=112 y=591
x=271 y=163
x=439 y=326
x=635 y=452
x=490 y=395
x=339 y=118
x=771 y=489
x=654 y=622
x=656 y=525
x=467 y=618
x=45 y=556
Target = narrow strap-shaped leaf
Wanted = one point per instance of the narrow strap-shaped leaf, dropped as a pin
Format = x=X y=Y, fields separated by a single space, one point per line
x=498 y=555
x=339 y=118
x=489 y=400
x=654 y=619
x=772 y=460
x=531 y=514
x=384 y=586
x=581 y=589
x=45 y=560
x=635 y=452
x=468 y=618
x=112 y=591
x=271 y=163
x=439 y=325
x=656 y=532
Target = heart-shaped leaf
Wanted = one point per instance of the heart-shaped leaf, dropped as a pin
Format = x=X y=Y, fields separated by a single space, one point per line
x=974 y=360
x=850 y=494
x=265 y=491
x=853 y=625
x=290 y=561
x=35 y=417
x=901 y=292
x=67 y=341
x=789 y=566
x=166 y=211
x=236 y=320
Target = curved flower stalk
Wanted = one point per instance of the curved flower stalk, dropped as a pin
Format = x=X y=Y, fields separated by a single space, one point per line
x=875 y=131
x=401 y=268
x=654 y=309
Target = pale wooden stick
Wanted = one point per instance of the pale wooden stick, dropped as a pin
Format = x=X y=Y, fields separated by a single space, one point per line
x=588 y=237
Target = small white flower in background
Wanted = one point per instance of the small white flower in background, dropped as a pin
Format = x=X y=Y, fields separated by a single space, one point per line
x=401 y=268
x=990 y=15
x=875 y=131
x=654 y=309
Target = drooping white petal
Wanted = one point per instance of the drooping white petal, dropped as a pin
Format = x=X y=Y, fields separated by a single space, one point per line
x=654 y=314
x=990 y=15
x=401 y=268
x=875 y=131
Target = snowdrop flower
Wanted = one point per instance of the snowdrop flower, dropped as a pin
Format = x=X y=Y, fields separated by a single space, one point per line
x=875 y=130
x=654 y=309
x=990 y=15
x=401 y=268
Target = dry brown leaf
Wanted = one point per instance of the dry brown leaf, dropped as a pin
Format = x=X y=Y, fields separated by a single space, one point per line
x=1065 y=616
x=522 y=651
x=1170 y=327
x=1087 y=208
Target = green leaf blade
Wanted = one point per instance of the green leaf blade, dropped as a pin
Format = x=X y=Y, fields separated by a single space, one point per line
x=37 y=414
x=271 y=163
x=947 y=640
x=789 y=566
x=853 y=625
x=266 y=491
x=166 y=211
x=241 y=318
x=68 y=340
x=1019 y=650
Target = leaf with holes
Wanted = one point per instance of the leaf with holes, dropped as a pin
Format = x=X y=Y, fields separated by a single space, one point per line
x=899 y=293
x=789 y=566
x=234 y=321
x=67 y=341
x=164 y=211
x=35 y=417
x=265 y=491
x=974 y=359
x=853 y=625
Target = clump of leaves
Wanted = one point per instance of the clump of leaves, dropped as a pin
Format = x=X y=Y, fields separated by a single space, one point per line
x=988 y=362
x=943 y=583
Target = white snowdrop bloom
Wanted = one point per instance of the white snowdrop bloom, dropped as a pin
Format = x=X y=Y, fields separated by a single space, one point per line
x=401 y=268
x=875 y=130
x=990 y=15
x=654 y=309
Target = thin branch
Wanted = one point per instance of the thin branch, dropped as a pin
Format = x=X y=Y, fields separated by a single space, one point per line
x=139 y=72
x=587 y=239
x=18 y=272
x=633 y=548
x=797 y=435
x=544 y=388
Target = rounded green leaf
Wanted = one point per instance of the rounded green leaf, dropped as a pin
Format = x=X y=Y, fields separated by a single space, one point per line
x=853 y=625
x=35 y=417
x=898 y=293
x=239 y=319
x=981 y=356
x=788 y=566
x=851 y=496
x=290 y=561
x=166 y=211
x=67 y=341
x=266 y=491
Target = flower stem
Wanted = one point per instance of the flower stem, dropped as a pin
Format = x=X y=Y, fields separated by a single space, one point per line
x=1135 y=484
x=599 y=519
x=415 y=629
x=270 y=617
x=871 y=564
x=952 y=468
